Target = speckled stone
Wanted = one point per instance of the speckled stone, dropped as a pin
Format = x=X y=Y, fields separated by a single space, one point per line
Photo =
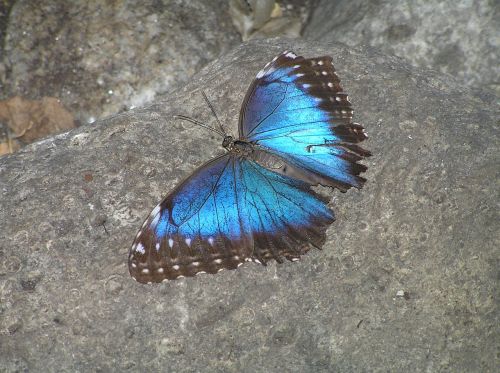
x=405 y=282
x=104 y=57
x=460 y=38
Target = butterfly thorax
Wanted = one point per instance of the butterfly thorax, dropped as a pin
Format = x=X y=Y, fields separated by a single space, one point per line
x=237 y=146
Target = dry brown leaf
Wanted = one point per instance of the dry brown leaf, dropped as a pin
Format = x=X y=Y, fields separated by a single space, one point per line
x=30 y=120
x=7 y=148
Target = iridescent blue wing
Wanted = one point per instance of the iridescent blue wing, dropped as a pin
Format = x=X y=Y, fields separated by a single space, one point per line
x=229 y=211
x=296 y=109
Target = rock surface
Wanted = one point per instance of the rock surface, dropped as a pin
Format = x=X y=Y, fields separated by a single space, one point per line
x=101 y=58
x=460 y=38
x=406 y=281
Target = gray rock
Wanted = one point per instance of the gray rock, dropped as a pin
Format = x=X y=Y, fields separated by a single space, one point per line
x=101 y=58
x=460 y=38
x=406 y=281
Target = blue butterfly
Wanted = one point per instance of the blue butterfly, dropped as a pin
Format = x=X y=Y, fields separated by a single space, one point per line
x=255 y=202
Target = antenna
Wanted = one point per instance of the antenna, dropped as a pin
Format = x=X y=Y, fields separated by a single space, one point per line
x=213 y=112
x=221 y=132
x=201 y=124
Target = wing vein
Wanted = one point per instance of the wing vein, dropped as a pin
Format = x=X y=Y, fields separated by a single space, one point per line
x=208 y=195
x=271 y=113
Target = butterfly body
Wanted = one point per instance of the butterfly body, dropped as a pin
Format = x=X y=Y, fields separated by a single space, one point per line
x=255 y=202
x=237 y=146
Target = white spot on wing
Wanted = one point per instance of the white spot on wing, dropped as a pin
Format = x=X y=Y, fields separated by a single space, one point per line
x=261 y=73
x=145 y=270
x=170 y=242
x=188 y=241
x=320 y=62
x=140 y=248
x=218 y=261
x=157 y=246
x=175 y=267
x=155 y=220
x=211 y=241
x=160 y=270
x=156 y=210
x=290 y=55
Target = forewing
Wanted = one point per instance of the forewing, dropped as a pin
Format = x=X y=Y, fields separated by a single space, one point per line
x=296 y=109
x=196 y=228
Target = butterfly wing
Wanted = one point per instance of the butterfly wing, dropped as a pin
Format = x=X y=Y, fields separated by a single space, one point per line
x=297 y=110
x=229 y=211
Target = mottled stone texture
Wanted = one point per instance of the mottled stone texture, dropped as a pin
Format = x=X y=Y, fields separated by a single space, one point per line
x=103 y=57
x=460 y=38
x=406 y=281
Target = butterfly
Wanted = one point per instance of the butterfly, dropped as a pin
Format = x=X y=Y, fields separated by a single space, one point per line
x=256 y=202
